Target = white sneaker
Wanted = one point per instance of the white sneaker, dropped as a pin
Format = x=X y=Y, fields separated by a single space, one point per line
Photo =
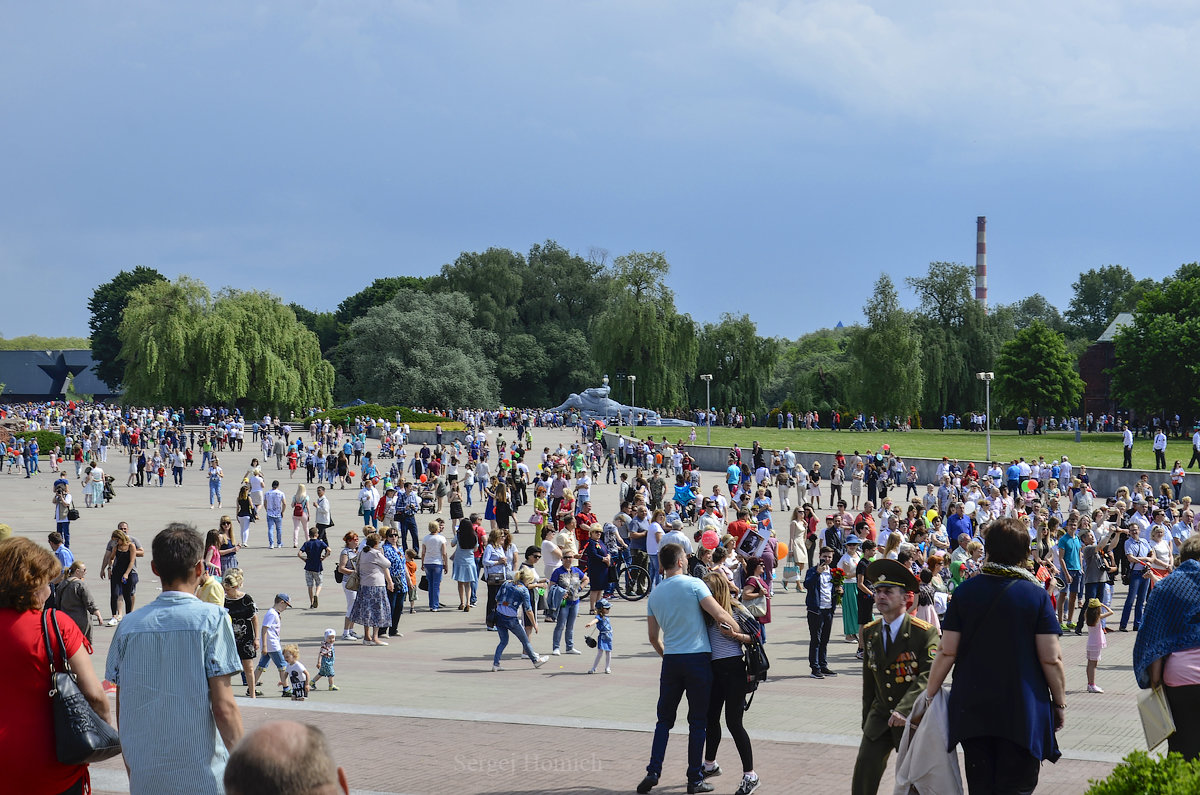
x=496 y=668
x=574 y=651
x=1094 y=689
x=540 y=661
x=556 y=652
x=608 y=670
x=112 y=622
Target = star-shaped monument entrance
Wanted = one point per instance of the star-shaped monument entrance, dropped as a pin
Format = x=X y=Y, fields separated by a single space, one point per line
x=59 y=371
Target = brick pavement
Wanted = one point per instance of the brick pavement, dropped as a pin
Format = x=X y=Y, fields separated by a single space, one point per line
x=418 y=755
x=438 y=673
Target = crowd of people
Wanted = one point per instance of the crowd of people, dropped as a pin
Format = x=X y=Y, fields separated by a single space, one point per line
x=888 y=567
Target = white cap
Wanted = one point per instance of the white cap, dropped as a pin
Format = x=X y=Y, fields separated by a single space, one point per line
x=329 y=633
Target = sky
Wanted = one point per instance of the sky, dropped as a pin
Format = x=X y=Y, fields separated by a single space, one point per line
x=782 y=154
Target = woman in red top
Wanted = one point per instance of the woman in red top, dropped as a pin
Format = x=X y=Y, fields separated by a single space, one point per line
x=26 y=725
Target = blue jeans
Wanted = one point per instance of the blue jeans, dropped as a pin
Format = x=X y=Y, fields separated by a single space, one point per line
x=408 y=526
x=433 y=572
x=214 y=491
x=272 y=656
x=566 y=621
x=64 y=529
x=368 y=515
x=469 y=496
x=655 y=574
x=277 y=523
x=1094 y=590
x=506 y=624
x=1139 y=587
x=682 y=673
x=177 y=475
x=396 y=600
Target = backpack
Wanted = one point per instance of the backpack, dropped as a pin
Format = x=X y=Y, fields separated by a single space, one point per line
x=754 y=655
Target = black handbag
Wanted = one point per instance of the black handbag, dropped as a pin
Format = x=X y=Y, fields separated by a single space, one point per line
x=81 y=736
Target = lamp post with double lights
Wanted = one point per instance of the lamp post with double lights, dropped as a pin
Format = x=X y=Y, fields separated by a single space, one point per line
x=707 y=379
x=633 y=400
x=987 y=379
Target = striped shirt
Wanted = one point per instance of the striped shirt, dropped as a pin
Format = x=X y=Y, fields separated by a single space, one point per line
x=161 y=659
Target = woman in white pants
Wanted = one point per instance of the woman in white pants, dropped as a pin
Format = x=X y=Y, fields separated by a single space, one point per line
x=345 y=566
x=245 y=509
x=299 y=516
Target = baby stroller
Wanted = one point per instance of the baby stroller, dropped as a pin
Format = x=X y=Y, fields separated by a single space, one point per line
x=109 y=492
x=387 y=449
x=428 y=500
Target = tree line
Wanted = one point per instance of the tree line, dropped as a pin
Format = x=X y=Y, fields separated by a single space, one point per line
x=501 y=327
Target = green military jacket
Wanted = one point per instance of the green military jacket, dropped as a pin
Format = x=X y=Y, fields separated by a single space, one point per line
x=895 y=680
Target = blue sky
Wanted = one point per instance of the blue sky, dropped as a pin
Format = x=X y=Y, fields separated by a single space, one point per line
x=782 y=154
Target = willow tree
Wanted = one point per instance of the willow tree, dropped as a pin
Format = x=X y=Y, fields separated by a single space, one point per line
x=740 y=361
x=181 y=345
x=640 y=332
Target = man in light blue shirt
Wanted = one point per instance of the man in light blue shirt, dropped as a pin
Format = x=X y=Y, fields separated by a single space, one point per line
x=273 y=502
x=171 y=661
x=676 y=608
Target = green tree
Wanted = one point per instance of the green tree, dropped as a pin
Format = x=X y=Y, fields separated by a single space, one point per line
x=641 y=332
x=1035 y=374
x=422 y=350
x=324 y=324
x=814 y=372
x=958 y=338
x=1100 y=295
x=539 y=308
x=741 y=363
x=35 y=342
x=107 y=306
x=887 y=354
x=182 y=345
x=1156 y=368
x=378 y=293
x=1021 y=315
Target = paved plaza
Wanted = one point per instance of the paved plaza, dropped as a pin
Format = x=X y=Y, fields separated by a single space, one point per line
x=426 y=714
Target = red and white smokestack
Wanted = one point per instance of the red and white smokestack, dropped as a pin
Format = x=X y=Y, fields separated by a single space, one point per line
x=981 y=261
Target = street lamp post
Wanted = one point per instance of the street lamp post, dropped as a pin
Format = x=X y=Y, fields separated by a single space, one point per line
x=707 y=379
x=986 y=378
x=633 y=400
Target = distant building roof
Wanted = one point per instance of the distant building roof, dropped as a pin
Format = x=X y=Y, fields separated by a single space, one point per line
x=839 y=325
x=42 y=375
x=1123 y=319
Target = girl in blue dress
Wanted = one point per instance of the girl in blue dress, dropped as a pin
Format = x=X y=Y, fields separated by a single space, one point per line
x=604 y=638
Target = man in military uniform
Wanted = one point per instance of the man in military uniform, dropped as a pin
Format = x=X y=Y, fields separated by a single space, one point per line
x=899 y=650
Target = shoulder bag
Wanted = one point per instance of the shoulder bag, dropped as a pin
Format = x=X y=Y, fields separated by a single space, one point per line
x=80 y=735
x=756 y=607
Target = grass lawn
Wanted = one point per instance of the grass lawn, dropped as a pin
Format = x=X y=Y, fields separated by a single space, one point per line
x=1096 y=449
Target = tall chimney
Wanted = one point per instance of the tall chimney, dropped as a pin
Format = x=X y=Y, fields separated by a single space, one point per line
x=981 y=261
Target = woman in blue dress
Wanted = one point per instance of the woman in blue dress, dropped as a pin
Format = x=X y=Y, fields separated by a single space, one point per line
x=489 y=512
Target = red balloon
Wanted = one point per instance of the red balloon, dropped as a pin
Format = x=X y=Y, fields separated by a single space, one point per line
x=1033 y=484
x=423 y=478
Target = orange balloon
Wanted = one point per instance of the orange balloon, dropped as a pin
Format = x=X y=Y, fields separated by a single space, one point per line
x=782 y=551
x=423 y=478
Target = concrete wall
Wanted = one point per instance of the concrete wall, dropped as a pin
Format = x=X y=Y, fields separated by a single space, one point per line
x=1104 y=481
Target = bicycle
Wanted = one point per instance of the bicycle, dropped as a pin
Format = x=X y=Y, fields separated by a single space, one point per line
x=626 y=580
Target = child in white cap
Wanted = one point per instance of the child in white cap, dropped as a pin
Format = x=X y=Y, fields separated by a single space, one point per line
x=325 y=661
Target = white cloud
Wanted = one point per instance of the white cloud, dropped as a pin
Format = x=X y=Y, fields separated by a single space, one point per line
x=1013 y=68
